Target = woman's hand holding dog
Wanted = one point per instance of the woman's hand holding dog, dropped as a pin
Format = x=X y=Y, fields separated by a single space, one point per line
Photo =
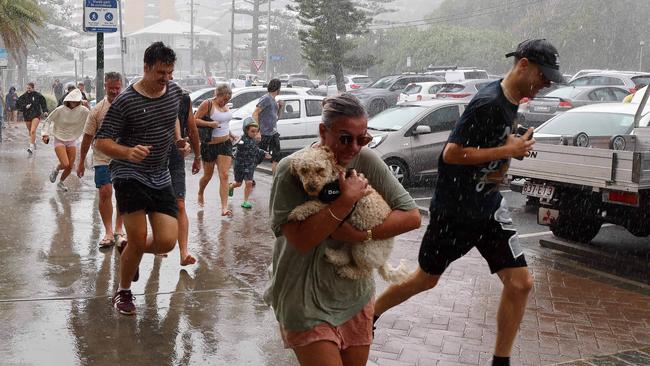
x=353 y=187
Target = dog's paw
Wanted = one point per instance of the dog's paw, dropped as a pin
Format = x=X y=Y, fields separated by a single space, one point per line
x=337 y=257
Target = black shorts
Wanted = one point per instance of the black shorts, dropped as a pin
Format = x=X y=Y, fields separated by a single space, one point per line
x=210 y=152
x=132 y=196
x=243 y=172
x=271 y=144
x=448 y=239
x=177 y=172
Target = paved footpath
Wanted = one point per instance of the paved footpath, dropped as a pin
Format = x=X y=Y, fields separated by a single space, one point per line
x=575 y=316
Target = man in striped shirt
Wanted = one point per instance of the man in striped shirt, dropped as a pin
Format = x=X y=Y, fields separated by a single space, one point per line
x=138 y=132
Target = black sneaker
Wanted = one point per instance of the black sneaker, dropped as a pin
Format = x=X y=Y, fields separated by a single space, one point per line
x=120 y=249
x=123 y=302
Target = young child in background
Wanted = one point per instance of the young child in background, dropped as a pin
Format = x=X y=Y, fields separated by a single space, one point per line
x=246 y=159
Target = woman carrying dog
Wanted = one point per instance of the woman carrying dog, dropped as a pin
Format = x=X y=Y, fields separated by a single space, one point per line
x=324 y=318
x=219 y=150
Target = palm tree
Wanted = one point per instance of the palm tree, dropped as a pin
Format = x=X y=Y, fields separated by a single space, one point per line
x=17 y=19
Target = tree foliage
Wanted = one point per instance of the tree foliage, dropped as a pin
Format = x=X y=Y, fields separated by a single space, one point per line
x=208 y=53
x=587 y=33
x=18 y=22
x=327 y=36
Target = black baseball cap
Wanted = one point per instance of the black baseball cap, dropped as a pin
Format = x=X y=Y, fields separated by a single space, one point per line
x=544 y=54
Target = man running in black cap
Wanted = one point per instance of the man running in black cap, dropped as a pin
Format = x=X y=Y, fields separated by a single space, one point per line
x=466 y=199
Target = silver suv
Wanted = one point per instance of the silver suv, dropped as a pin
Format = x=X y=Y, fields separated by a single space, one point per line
x=411 y=136
x=630 y=80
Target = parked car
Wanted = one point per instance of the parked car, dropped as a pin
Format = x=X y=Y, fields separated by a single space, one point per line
x=420 y=91
x=583 y=73
x=385 y=92
x=298 y=122
x=240 y=96
x=605 y=119
x=193 y=83
x=410 y=137
x=455 y=74
x=541 y=109
x=286 y=77
x=462 y=89
x=627 y=79
x=352 y=82
x=303 y=83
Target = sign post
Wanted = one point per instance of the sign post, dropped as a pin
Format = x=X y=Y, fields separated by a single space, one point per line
x=258 y=64
x=100 y=17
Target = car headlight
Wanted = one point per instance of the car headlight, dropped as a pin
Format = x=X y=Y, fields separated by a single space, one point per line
x=376 y=141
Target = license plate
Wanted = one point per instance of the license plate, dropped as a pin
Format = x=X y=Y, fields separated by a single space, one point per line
x=546 y=215
x=538 y=190
x=541 y=108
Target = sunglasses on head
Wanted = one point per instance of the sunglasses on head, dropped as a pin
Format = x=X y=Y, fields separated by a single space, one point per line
x=346 y=139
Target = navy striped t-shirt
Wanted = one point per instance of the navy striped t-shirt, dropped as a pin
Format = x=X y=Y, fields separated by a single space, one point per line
x=134 y=119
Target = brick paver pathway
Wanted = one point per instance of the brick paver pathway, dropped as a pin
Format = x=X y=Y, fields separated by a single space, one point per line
x=570 y=316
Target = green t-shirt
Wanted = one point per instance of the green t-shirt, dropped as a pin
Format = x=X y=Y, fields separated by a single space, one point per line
x=304 y=289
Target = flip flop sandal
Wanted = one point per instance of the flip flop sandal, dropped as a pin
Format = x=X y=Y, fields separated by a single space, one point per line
x=106 y=242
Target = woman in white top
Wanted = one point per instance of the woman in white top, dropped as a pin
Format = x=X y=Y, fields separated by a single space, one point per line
x=66 y=123
x=214 y=113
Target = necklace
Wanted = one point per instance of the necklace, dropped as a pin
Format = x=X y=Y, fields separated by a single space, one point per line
x=508 y=96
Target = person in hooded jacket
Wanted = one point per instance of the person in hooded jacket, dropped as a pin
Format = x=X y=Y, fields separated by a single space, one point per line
x=66 y=124
x=33 y=106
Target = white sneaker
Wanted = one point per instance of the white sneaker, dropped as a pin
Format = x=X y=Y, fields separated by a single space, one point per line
x=54 y=174
x=61 y=186
x=30 y=149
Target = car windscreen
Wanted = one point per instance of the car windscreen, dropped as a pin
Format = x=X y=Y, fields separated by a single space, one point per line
x=394 y=118
x=642 y=80
x=592 y=123
x=383 y=83
x=451 y=88
x=362 y=80
x=476 y=75
x=568 y=93
x=246 y=110
x=412 y=89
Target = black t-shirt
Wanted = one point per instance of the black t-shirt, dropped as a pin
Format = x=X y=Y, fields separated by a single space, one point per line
x=470 y=191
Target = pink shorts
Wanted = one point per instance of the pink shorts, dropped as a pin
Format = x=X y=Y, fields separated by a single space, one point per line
x=58 y=143
x=355 y=332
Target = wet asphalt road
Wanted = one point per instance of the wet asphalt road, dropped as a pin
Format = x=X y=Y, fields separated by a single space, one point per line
x=56 y=283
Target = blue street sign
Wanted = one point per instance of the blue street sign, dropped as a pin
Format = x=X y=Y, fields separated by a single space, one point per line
x=277 y=58
x=4 y=57
x=99 y=16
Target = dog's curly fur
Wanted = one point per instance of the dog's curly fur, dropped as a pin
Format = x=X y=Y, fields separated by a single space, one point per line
x=316 y=167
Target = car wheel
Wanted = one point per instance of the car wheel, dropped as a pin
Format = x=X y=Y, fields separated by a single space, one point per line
x=376 y=106
x=399 y=170
x=575 y=226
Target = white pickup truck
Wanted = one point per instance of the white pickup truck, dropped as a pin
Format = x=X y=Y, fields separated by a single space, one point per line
x=583 y=181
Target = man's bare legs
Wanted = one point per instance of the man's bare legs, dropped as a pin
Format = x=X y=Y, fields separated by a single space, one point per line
x=419 y=281
x=164 y=230
x=106 y=212
x=517 y=283
x=183 y=234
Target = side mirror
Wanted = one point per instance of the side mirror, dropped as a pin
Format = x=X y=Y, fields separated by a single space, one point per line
x=422 y=130
x=229 y=105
